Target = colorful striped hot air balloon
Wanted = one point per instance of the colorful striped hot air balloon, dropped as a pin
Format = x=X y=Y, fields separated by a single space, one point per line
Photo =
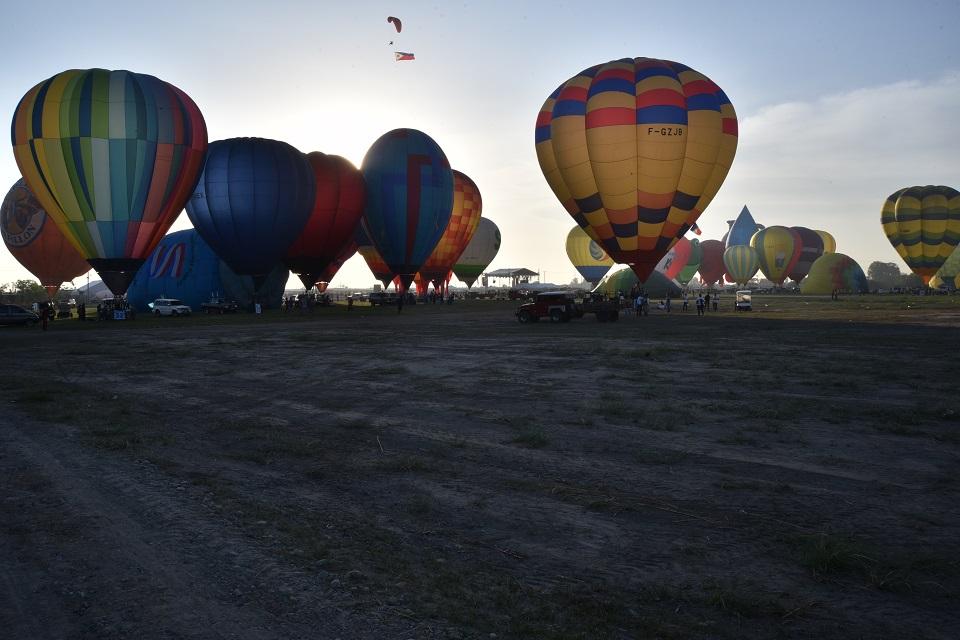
x=464 y=218
x=409 y=199
x=778 y=249
x=337 y=209
x=741 y=263
x=36 y=241
x=480 y=252
x=635 y=150
x=923 y=225
x=590 y=261
x=112 y=156
x=834 y=272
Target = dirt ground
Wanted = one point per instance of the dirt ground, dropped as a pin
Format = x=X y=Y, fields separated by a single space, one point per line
x=450 y=473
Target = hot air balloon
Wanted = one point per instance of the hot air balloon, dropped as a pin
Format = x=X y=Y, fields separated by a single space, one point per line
x=112 y=156
x=36 y=241
x=693 y=263
x=741 y=229
x=656 y=285
x=711 y=262
x=326 y=276
x=480 y=252
x=811 y=249
x=337 y=208
x=741 y=263
x=950 y=269
x=923 y=225
x=183 y=266
x=635 y=150
x=372 y=257
x=675 y=259
x=253 y=200
x=778 y=249
x=587 y=257
x=834 y=272
x=409 y=199
x=829 y=244
x=464 y=218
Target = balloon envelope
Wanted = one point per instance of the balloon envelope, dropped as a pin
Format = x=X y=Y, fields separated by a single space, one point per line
x=409 y=199
x=480 y=252
x=464 y=218
x=711 y=263
x=589 y=259
x=253 y=200
x=327 y=275
x=183 y=266
x=635 y=150
x=741 y=263
x=693 y=262
x=35 y=240
x=834 y=272
x=829 y=244
x=337 y=208
x=778 y=249
x=742 y=229
x=675 y=259
x=923 y=225
x=371 y=256
x=112 y=156
x=657 y=284
x=811 y=249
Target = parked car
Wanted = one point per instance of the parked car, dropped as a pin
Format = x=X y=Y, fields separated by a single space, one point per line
x=169 y=307
x=15 y=314
x=220 y=306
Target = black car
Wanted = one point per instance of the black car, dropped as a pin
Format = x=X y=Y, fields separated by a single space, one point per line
x=15 y=314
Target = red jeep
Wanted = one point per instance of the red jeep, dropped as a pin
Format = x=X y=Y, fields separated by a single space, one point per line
x=559 y=306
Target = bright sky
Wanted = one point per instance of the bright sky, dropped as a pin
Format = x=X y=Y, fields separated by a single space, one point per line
x=840 y=102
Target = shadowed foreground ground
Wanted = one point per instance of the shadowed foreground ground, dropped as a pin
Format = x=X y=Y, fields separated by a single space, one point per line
x=449 y=473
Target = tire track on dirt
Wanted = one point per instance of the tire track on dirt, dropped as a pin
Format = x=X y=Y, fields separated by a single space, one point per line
x=163 y=561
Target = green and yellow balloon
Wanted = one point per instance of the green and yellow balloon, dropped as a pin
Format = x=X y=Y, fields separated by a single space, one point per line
x=923 y=225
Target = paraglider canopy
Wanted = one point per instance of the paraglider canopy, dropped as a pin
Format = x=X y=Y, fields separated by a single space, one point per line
x=396 y=23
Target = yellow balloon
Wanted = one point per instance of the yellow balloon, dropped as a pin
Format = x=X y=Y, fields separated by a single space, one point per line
x=586 y=255
x=829 y=244
x=635 y=150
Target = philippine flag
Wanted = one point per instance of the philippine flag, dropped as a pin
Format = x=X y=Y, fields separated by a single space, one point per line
x=400 y=55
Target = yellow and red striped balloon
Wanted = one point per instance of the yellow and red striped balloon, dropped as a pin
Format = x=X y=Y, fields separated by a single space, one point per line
x=635 y=150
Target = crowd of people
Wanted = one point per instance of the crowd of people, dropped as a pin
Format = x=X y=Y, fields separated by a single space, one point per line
x=640 y=300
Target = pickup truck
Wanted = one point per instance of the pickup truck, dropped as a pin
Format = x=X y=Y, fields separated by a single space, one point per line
x=219 y=306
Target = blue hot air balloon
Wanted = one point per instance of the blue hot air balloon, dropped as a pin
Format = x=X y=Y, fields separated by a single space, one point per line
x=183 y=266
x=741 y=229
x=253 y=200
x=409 y=199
